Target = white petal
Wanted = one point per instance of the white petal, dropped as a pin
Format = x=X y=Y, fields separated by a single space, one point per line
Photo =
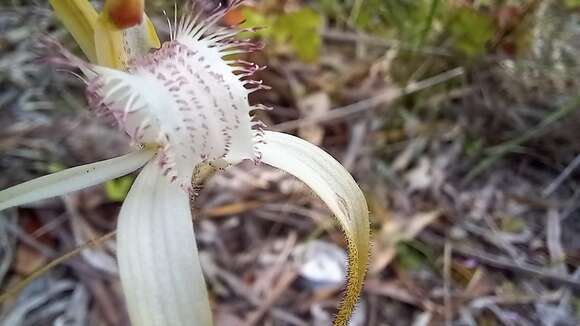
x=335 y=186
x=158 y=259
x=73 y=179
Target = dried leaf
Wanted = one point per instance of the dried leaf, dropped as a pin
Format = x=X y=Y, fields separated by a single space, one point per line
x=313 y=105
x=395 y=231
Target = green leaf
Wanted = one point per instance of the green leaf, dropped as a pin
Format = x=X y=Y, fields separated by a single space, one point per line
x=253 y=19
x=429 y=21
x=332 y=8
x=54 y=167
x=572 y=4
x=471 y=31
x=409 y=257
x=298 y=31
x=118 y=189
x=301 y=29
x=409 y=21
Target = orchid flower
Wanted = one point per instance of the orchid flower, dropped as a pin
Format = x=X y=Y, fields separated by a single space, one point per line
x=184 y=105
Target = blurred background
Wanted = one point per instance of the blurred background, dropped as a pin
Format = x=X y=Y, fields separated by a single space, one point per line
x=458 y=119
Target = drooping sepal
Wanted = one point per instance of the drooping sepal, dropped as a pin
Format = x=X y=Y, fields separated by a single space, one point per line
x=336 y=187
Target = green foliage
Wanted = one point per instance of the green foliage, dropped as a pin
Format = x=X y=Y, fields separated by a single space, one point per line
x=572 y=4
x=497 y=152
x=332 y=8
x=299 y=30
x=418 y=23
x=118 y=189
x=373 y=15
x=471 y=31
x=410 y=21
x=512 y=224
x=255 y=18
x=54 y=167
x=461 y=29
x=302 y=30
x=409 y=257
x=473 y=147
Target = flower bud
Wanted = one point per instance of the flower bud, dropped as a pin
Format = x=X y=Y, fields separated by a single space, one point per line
x=125 y=13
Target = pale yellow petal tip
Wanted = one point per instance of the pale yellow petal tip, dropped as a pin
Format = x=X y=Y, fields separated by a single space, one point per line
x=109 y=44
x=152 y=36
x=79 y=17
x=113 y=45
x=357 y=268
x=124 y=14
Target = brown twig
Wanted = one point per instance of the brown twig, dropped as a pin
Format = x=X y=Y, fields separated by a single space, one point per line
x=448 y=252
x=507 y=264
x=279 y=289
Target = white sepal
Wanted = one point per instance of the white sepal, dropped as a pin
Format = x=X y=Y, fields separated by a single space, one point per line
x=158 y=259
x=73 y=179
x=336 y=187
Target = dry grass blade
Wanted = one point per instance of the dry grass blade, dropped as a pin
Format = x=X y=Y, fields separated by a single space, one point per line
x=384 y=98
x=20 y=285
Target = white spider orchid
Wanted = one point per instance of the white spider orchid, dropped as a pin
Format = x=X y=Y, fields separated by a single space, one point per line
x=184 y=105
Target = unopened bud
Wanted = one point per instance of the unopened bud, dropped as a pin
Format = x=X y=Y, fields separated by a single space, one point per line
x=125 y=13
